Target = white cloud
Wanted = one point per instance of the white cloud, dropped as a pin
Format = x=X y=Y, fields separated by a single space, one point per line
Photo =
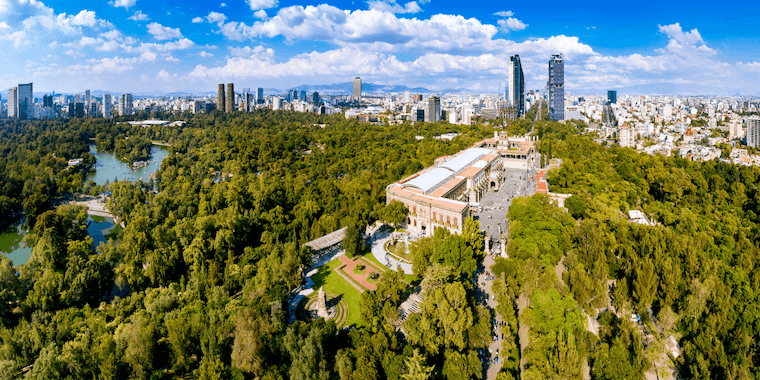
x=261 y=4
x=181 y=44
x=216 y=17
x=4 y=25
x=123 y=3
x=161 y=32
x=171 y=59
x=165 y=76
x=511 y=24
x=222 y=5
x=504 y=14
x=204 y=54
x=261 y=14
x=139 y=16
x=111 y=35
x=148 y=56
x=197 y=20
x=393 y=7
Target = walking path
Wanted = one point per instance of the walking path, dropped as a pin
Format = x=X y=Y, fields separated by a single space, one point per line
x=379 y=238
x=360 y=278
x=484 y=294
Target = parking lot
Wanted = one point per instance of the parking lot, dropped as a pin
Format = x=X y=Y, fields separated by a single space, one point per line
x=495 y=204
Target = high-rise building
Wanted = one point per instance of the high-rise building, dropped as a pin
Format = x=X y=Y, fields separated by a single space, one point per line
x=220 y=97
x=626 y=136
x=516 y=86
x=248 y=101
x=260 y=95
x=753 y=131
x=315 y=98
x=47 y=101
x=302 y=96
x=407 y=98
x=125 y=104
x=25 y=101
x=611 y=97
x=13 y=102
x=87 y=98
x=230 y=106
x=358 y=89
x=433 y=109
x=107 y=106
x=555 y=87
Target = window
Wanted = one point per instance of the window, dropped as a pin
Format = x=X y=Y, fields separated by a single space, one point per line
x=415 y=222
x=415 y=210
x=448 y=220
x=434 y=216
x=455 y=222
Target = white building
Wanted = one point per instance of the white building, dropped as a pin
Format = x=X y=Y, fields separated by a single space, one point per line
x=107 y=106
x=626 y=136
x=753 y=131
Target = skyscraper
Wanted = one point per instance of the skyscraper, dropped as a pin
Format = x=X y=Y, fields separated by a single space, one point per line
x=260 y=95
x=13 y=102
x=434 y=109
x=516 y=84
x=358 y=89
x=125 y=104
x=753 y=131
x=107 y=106
x=248 y=101
x=555 y=88
x=87 y=98
x=230 y=106
x=611 y=97
x=220 y=97
x=25 y=101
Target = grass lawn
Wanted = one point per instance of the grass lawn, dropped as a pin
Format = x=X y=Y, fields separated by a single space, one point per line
x=333 y=283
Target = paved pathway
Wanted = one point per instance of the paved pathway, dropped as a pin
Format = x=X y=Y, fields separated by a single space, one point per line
x=484 y=295
x=360 y=278
x=378 y=250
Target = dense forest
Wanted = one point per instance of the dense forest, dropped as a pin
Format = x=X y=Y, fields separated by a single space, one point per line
x=197 y=283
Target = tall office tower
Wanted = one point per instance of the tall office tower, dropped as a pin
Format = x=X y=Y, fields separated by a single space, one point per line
x=556 y=88
x=753 y=132
x=611 y=97
x=25 y=101
x=247 y=101
x=125 y=104
x=260 y=95
x=87 y=97
x=220 y=97
x=107 y=106
x=13 y=102
x=406 y=97
x=230 y=106
x=516 y=84
x=434 y=109
x=315 y=98
x=47 y=101
x=358 y=89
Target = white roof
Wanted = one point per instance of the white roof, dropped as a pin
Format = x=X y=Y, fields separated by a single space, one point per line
x=465 y=159
x=430 y=180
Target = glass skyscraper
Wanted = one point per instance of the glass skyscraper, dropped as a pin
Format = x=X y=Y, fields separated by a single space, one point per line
x=556 y=88
x=516 y=85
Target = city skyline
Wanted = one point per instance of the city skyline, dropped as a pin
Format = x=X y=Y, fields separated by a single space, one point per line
x=138 y=46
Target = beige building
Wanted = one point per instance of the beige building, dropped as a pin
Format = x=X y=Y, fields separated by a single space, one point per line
x=448 y=192
x=626 y=136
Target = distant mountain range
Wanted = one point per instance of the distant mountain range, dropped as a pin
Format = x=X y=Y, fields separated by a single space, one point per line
x=374 y=88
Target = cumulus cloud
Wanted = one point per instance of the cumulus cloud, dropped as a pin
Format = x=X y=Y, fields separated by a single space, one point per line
x=161 y=32
x=4 y=26
x=372 y=30
x=197 y=20
x=205 y=54
x=139 y=16
x=216 y=17
x=393 y=7
x=123 y=3
x=511 y=24
x=261 y=14
x=261 y=4
x=222 y=5
x=504 y=14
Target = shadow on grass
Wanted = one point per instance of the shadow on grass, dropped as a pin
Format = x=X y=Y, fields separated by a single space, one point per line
x=320 y=277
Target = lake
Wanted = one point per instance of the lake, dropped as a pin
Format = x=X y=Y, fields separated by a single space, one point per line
x=107 y=167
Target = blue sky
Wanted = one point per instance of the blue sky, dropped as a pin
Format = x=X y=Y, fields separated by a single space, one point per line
x=141 y=45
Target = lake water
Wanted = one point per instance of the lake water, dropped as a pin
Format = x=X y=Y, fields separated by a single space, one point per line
x=107 y=167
